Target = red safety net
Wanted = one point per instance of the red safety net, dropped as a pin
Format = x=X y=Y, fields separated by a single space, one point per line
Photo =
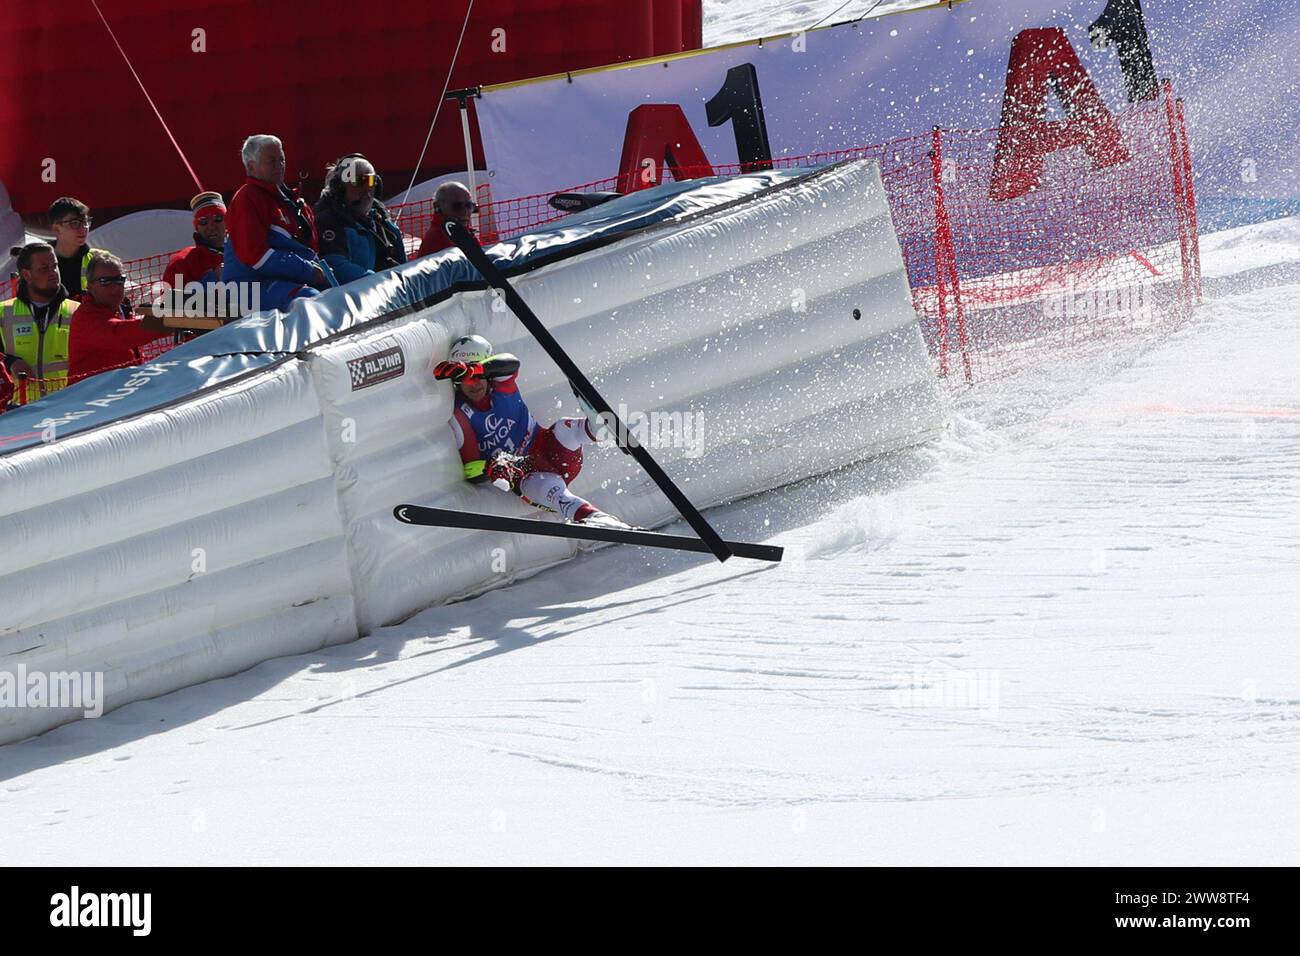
x=1089 y=254
x=1086 y=255
x=415 y=217
x=28 y=388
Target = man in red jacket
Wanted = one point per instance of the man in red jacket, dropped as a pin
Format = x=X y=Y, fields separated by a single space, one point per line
x=104 y=333
x=451 y=201
x=271 y=242
x=201 y=262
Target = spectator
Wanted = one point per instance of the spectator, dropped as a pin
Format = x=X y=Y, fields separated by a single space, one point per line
x=201 y=262
x=270 y=233
x=105 y=334
x=35 y=324
x=70 y=219
x=6 y=387
x=356 y=236
x=451 y=201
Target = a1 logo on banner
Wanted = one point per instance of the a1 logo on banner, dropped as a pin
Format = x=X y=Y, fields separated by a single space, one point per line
x=740 y=102
x=659 y=134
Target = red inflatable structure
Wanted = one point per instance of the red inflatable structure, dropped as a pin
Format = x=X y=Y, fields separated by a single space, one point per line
x=327 y=76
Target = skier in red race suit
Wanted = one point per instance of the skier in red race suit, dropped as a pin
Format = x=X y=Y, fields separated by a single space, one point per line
x=500 y=441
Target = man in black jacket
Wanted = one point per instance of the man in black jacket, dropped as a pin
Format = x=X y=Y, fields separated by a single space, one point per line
x=70 y=220
x=356 y=236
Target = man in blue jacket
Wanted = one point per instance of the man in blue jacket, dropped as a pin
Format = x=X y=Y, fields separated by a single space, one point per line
x=356 y=236
x=270 y=234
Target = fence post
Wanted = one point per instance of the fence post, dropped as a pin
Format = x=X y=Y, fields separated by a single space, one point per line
x=945 y=262
x=936 y=175
x=1189 y=189
x=1180 y=197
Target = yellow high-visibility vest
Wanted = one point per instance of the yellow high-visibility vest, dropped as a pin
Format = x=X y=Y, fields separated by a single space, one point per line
x=44 y=349
x=85 y=272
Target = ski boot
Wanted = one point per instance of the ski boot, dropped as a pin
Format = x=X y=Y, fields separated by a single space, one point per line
x=600 y=519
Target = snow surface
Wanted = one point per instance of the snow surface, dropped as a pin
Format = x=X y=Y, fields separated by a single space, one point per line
x=1064 y=633
x=732 y=21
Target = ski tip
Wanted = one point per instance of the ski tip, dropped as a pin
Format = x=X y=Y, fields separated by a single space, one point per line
x=400 y=513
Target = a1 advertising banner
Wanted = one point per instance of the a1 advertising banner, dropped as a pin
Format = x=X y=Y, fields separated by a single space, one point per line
x=1233 y=61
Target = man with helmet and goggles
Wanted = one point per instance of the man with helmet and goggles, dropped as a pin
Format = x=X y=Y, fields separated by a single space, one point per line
x=500 y=441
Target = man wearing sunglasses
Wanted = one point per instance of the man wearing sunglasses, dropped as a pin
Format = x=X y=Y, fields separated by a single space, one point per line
x=201 y=262
x=451 y=201
x=105 y=333
x=357 y=238
x=70 y=220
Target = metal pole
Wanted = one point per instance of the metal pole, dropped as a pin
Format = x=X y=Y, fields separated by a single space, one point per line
x=462 y=100
x=469 y=160
x=1180 y=198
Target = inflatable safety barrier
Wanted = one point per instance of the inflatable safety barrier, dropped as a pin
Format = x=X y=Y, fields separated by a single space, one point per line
x=176 y=523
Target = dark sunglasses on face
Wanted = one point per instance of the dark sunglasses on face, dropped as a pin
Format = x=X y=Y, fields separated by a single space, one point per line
x=464 y=204
x=204 y=220
x=74 y=223
x=110 y=280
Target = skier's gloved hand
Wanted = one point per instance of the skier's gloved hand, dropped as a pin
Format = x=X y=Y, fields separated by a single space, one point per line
x=458 y=372
x=505 y=471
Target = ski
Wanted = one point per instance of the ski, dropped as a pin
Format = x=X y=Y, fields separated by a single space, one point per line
x=467 y=244
x=442 y=518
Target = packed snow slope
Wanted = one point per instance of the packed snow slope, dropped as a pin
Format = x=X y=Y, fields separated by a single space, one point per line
x=1064 y=633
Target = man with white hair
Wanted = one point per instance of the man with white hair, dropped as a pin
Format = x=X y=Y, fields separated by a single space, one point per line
x=270 y=233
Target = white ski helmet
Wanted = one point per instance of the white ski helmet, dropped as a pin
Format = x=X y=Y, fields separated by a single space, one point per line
x=470 y=348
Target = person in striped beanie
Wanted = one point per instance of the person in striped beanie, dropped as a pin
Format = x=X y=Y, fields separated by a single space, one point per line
x=202 y=261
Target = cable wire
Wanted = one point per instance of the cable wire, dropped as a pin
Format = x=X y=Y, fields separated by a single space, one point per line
x=437 y=110
x=165 y=127
x=841 y=7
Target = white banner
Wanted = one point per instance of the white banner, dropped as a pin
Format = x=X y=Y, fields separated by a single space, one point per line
x=1234 y=61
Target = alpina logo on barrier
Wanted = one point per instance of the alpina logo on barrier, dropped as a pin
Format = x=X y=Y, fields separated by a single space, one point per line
x=376 y=367
x=134 y=910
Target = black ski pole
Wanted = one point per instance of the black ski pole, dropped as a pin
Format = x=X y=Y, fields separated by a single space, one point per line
x=467 y=244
